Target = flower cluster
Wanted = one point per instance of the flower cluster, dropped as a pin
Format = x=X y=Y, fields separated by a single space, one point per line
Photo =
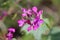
x=31 y=17
x=10 y=34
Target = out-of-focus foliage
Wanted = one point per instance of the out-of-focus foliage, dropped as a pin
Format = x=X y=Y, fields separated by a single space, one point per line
x=8 y=21
x=56 y=2
x=41 y=32
x=55 y=34
x=36 y=2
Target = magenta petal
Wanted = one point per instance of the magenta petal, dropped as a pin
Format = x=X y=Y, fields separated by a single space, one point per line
x=34 y=9
x=11 y=29
x=40 y=12
x=35 y=21
x=24 y=10
x=28 y=21
x=24 y=14
x=21 y=23
x=9 y=38
x=29 y=12
x=35 y=27
x=40 y=21
x=29 y=28
x=10 y=34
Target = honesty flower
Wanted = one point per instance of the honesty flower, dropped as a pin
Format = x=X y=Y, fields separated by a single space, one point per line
x=35 y=27
x=10 y=34
x=35 y=22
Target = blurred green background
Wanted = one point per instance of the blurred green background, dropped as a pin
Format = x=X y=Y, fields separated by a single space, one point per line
x=49 y=30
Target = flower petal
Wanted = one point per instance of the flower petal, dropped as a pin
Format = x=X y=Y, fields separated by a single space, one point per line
x=29 y=28
x=28 y=21
x=24 y=10
x=24 y=14
x=10 y=34
x=11 y=29
x=35 y=27
x=21 y=23
x=29 y=12
x=34 y=9
x=40 y=21
x=40 y=12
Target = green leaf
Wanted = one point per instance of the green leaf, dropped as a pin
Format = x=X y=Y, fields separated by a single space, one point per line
x=47 y=23
x=55 y=33
x=44 y=37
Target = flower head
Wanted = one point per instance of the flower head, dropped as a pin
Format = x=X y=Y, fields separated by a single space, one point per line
x=35 y=22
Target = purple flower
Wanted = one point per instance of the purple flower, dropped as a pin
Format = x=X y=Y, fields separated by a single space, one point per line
x=34 y=9
x=35 y=22
x=10 y=35
x=11 y=29
x=24 y=12
x=29 y=28
x=28 y=22
x=29 y=12
x=35 y=27
x=40 y=13
x=21 y=22
x=40 y=21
